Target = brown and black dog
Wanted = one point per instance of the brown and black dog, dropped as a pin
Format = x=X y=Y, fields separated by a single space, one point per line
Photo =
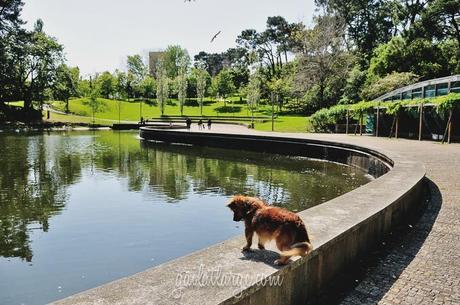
x=271 y=223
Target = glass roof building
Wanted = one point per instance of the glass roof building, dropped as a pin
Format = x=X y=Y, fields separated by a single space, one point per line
x=425 y=89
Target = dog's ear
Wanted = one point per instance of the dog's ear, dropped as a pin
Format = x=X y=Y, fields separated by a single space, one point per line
x=232 y=202
x=229 y=203
x=250 y=207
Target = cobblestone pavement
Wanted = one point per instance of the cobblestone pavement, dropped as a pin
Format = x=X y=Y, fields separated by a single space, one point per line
x=420 y=262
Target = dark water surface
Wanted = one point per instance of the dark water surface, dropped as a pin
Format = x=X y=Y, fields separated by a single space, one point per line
x=79 y=209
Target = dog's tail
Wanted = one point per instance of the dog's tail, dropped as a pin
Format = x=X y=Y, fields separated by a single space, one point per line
x=301 y=249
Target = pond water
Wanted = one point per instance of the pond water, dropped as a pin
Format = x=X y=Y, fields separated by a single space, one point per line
x=79 y=209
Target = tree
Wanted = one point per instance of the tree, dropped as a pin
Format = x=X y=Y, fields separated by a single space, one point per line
x=282 y=34
x=137 y=71
x=162 y=85
x=201 y=84
x=442 y=20
x=37 y=57
x=353 y=86
x=270 y=44
x=66 y=84
x=420 y=56
x=130 y=85
x=235 y=58
x=10 y=11
x=367 y=22
x=323 y=62
x=182 y=84
x=149 y=87
x=107 y=84
x=213 y=63
x=120 y=84
x=92 y=101
x=10 y=28
x=388 y=83
x=172 y=58
x=136 y=67
x=223 y=84
x=253 y=93
x=240 y=76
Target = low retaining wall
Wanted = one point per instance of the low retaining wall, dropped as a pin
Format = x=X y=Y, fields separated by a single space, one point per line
x=343 y=229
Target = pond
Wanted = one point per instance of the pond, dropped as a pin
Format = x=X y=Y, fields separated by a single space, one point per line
x=82 y=208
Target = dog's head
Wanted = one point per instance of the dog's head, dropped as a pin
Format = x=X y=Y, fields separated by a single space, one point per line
x=243 y=206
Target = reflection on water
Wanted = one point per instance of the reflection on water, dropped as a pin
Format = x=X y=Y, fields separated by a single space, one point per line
x=78 y=209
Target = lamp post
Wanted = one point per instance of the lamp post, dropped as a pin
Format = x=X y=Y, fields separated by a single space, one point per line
x=140 y=110
x=119 y=108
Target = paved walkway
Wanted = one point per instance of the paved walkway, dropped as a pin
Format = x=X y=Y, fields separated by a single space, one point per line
x=420 y=262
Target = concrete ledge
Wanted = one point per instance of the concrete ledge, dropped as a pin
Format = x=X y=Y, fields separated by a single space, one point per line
x=343 y=229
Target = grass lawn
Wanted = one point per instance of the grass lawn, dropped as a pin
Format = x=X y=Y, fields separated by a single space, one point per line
x=68 y=118
x=130 y=111
x=17 y=104
x=286 y=124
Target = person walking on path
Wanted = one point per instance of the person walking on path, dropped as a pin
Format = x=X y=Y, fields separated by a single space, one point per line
x=188 y=122
x=209 y=124
x=200 y=124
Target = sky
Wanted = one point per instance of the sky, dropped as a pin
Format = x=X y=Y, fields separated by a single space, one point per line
x=98 y=34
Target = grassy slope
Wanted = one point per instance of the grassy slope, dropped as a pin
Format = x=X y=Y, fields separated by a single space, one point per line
x=130 y=111
x=287 y=124
x=57 y=117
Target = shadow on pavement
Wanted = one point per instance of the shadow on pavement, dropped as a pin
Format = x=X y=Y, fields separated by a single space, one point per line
x=372 y=276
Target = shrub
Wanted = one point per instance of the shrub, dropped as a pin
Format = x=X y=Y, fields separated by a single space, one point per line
x=389 y=83
x=323 y=118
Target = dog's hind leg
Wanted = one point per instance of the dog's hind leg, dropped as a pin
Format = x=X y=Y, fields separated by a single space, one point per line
x=281 y=243
x=262 y=241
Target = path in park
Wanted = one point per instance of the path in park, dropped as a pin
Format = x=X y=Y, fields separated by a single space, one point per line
x=419 y=263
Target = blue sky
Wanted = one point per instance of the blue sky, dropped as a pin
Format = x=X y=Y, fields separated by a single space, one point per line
x=98 y=34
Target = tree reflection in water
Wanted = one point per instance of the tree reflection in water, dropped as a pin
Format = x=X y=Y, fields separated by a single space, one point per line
x=37 y=169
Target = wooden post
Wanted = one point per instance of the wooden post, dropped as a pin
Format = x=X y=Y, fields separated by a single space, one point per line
x=361 y=124
x=397 y=125
x=377 y=124
x=420 y=123
x=448 y=128
x=346 y=127
x=392 y=127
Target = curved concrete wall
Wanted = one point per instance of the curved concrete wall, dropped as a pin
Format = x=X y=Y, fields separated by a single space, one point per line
x=342 y=229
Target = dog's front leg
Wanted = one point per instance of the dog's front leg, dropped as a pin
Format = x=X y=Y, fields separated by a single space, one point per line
x=249 y=233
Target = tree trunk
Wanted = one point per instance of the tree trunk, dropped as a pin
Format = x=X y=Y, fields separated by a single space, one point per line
x=201 y=106
x=456 y=27
x=27 y=104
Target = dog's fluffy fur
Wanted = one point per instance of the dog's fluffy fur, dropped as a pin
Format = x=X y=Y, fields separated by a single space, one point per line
x=271 y=223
